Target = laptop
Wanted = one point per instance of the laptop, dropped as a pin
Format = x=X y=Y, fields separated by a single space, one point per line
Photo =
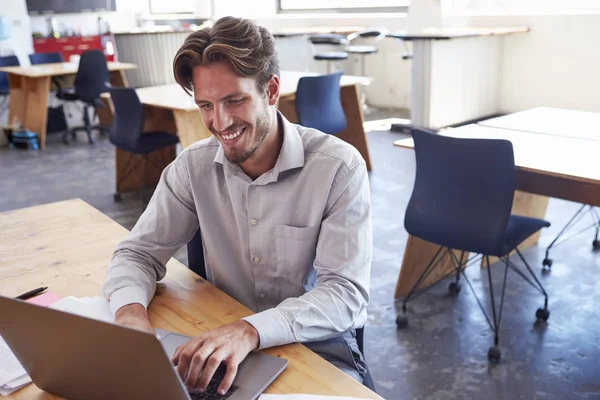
x=76 y=357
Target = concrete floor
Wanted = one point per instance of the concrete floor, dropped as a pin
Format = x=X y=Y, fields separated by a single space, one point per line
x=442 y=355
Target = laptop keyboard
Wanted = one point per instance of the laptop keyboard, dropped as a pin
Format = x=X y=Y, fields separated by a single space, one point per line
x=211 y=389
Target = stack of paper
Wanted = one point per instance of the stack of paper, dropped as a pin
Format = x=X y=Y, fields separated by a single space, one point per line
x=12 y=374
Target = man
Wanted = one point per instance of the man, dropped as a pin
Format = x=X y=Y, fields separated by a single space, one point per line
x=284 y=213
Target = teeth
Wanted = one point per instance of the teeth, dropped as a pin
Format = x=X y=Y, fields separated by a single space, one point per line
x=233 y=135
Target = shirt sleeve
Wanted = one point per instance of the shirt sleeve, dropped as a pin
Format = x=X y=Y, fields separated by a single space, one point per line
x=169 y=222
x=343 y=264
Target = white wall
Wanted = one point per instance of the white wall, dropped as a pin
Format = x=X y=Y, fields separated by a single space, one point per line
x=556 y=64
x=20 y=43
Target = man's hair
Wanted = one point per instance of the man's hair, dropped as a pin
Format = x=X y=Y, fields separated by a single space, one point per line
x=249 y=48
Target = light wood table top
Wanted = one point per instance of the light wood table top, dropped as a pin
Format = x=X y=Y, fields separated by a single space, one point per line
x=58 y=69
x=550 y=121
x=570 y=158
x=173 y=97
x=67 y=246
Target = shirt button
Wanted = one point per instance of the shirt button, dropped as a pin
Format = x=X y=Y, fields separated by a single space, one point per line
x=254 y=221
x=257 y=260
x=263 y=296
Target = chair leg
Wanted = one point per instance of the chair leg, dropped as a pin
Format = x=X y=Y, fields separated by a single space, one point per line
x=596 y=242
x=542 y=314
x=547 y=263
x=402 y=320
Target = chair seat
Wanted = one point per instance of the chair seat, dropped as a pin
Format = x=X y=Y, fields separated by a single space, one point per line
x=67 y=95
x=518 y=229
x=151 y=141
x=332 y=55
x=358 y=49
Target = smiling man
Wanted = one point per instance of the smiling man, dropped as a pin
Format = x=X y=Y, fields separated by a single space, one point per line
x=284 y=211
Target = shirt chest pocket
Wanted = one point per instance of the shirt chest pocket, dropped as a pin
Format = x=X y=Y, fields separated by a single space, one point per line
x=296 y=249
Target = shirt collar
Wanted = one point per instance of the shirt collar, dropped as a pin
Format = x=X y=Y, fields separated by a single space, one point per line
x=291 y=154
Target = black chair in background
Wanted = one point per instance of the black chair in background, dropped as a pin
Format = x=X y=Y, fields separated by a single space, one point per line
x=6 y=61
x=195 y=250
x=331 y=57
x=461 y=201
x=91 y=81
x=127 y=132
x=318 y=103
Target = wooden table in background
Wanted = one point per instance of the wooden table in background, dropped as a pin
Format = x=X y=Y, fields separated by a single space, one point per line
x=169 y=108
x=547 y=166
x=30 y=87
x=67 y=246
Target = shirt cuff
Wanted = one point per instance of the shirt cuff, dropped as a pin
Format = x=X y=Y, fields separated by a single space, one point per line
x=127 y=295
x=272 y=327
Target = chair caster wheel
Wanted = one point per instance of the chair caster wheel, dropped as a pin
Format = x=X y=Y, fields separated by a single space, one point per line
x=494 y=355
x=596 y=245
x=454 y=288
x=117 y=197
x=542 y=314
x=547 y=263
x=401 y=321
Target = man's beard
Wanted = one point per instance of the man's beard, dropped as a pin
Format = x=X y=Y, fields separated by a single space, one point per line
x=261 y=131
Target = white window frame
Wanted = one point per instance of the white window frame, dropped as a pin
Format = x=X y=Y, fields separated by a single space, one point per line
x=527 y=7
x=193 y=10
x=401 y=8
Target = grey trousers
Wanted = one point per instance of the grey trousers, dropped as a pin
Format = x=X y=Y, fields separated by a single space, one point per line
x=343 y=352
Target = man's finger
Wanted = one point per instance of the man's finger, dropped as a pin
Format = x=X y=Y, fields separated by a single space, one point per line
x=232 y=369
x=196 y=366
x=185 y=356
x=212 y=363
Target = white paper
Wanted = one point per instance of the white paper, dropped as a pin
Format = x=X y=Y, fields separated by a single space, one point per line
x=303 y=397
x=92 y=307
x=10 y=368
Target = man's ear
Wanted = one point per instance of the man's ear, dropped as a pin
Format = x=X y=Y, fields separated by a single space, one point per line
x=273 y=90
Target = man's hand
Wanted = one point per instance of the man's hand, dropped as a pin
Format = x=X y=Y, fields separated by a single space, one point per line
x=198 y=359
x=134 y=316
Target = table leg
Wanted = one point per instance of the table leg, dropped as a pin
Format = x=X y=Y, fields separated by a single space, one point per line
x=190 y=127
x=118 y=78
x=354 y=133
x=418 y=252
x=29 y=103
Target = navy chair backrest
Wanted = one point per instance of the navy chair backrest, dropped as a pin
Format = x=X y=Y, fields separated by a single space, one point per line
x=45 y=58
x=463 y=192
x=318 y=103
x=92 y=76
x=7 y=61
x=195 y=251
x=128 y=120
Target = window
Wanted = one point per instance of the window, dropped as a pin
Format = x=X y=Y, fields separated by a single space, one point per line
x=342 y=6
x=495 y=7
x=172 y=6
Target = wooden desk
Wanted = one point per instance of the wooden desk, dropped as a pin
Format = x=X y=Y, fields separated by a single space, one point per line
x=550 y=121
x=67 y=245
x=547 y=166
x=29 y=88
x=169 y=108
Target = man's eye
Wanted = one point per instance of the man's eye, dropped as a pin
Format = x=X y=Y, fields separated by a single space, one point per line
x=235 y=101
x=205 y=106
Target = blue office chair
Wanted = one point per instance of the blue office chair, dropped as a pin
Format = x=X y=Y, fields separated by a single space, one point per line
x=91 y=81
x=7 y=61
x=196 y=263
x=45 y=58
x=462 y=199
x=127 y=133
x=318 y=103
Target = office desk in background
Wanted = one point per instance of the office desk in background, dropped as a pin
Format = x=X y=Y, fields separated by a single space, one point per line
x=29 y=88
x=169 y=108
x=550 y=121
x=454 y=75
x=547 y=166
x=67 y=246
